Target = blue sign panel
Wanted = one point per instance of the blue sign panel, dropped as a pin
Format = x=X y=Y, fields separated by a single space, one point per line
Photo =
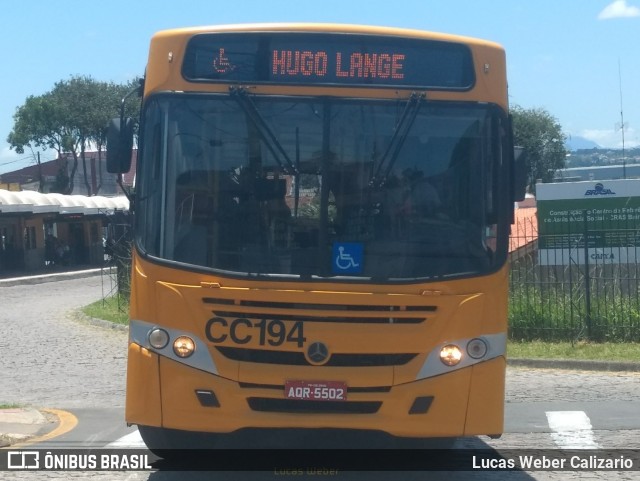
x=347 y=258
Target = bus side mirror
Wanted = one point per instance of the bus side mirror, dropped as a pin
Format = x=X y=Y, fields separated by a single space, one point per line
x=119 y=145
x=519 y=174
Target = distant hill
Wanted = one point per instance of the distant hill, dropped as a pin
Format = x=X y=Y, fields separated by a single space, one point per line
x=577 y=143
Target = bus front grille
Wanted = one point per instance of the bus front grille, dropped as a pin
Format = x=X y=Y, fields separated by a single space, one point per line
x=298 y=359
x=313 y=312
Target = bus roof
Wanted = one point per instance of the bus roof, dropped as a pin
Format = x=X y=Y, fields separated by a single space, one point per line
x=173 y=67
x=330 y=28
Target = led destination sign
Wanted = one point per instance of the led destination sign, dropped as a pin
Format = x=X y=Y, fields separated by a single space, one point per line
x=287 y=63
x=334 y=59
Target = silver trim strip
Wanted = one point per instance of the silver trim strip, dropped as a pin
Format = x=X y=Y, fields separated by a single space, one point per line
x=433 y=366
x=200 y=359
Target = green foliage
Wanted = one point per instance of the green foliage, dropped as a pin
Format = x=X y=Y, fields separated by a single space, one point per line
x=69 y=118
x=561 y=316
x=605 y=351
x=534 y=315
x=541 y=136
x=113 y=309
x=36 y=124
x=616 y=321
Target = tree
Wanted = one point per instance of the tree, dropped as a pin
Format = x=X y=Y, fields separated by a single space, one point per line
x=37 y=125
x=541 y=137
x=69 y=118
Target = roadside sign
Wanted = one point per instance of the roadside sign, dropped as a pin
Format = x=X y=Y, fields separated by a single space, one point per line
x=604 y=216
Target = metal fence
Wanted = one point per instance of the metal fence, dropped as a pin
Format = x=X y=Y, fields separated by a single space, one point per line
x=560 y=290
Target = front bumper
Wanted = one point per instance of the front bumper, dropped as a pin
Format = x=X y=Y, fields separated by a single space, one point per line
x=162 y=392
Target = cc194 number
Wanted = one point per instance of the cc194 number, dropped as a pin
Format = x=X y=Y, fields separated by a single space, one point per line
x=243 y=331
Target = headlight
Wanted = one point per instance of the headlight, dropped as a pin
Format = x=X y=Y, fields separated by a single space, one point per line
x=450 y=355
x=477 y=348
x=158 y=338
x=184 y=346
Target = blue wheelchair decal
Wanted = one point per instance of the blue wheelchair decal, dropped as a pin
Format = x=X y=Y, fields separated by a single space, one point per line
x=347 y=258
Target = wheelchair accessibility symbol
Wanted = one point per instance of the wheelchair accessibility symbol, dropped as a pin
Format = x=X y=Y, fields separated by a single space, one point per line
x=347 y=258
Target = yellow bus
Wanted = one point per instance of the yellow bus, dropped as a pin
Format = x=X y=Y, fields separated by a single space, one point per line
x=321 y=229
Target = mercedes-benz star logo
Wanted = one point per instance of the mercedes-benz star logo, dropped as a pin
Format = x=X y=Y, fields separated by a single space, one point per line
x=317 y=353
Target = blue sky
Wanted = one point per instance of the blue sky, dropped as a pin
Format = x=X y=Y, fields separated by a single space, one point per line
x=563 y=55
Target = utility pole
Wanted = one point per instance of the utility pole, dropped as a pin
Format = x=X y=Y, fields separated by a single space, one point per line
x=622 y=126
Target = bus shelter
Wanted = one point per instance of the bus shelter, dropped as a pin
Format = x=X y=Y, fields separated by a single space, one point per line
x=39 y=231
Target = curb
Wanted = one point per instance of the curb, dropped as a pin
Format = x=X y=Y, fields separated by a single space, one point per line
x=577 y=365
x=21 y=425
x=101 y=322
x=52 y=277
x=33 y=426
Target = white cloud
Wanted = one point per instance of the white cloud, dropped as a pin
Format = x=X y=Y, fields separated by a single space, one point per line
x=612 y=139
x=619 y=9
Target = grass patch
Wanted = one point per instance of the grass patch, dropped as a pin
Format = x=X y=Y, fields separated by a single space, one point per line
x=605 y=351
x=113 y=309
x=9 y=406
x=558 y=313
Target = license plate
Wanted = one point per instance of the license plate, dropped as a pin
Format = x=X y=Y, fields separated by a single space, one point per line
x=315 y=390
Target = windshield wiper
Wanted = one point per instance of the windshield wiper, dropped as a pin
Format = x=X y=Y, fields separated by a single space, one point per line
x=400 y=134
x=240 y=95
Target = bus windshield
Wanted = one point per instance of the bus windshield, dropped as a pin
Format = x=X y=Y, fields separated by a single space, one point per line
x=319 y=187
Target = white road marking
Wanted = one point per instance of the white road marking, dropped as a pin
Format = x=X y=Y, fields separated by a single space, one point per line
x=131 y=440
x=572 y=430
